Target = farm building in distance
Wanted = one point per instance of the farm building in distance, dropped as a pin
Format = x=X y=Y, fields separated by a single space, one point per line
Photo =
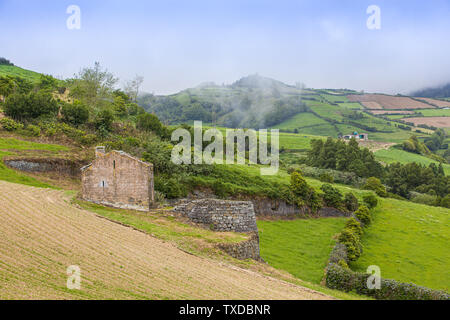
x=357 y=136
x=119 y=180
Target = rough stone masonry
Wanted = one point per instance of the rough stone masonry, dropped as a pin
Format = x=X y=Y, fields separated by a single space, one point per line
x=119 y=180
x=225 y=215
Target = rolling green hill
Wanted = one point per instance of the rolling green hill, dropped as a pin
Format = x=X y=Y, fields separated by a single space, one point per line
x=19 y=72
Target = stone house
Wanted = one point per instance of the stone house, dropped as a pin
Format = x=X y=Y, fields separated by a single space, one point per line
x=119 y=180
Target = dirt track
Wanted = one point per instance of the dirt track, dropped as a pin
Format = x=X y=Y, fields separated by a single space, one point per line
x=42 y=234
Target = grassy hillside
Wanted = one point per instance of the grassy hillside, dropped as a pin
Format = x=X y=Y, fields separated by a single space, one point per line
x=19 y=72
x=395 y=155
x=301 y=247
x=12 y=147
x=409 y=243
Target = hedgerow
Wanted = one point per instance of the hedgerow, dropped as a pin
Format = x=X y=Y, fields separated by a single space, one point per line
x=340 y=278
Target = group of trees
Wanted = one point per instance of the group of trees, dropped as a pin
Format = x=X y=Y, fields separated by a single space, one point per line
x=5 y=62
x=404 y=178
x=282 y=110
x=401 y=179
x=342 y=156
x=436 y=141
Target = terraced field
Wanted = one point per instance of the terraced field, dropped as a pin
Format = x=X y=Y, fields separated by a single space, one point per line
x=388 y=102
x=438 y=122
x=42 y=234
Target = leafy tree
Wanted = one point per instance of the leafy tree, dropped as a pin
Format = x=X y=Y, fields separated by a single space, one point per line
x=338 y=155
x=375 y=184
x=30 y=106
x=370 y=200
x=120 y=108
x=150 y=122
x=93 y=86
x=332 y=197
x=305 y=194
x=132 y=87
x=47 y=82
x=104 y=120
x=76 y=113
x=5 y=62
x=351 y=202
x=445 y=202
x=7 y=86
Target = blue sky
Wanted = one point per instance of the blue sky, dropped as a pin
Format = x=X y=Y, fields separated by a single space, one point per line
x=179 y=44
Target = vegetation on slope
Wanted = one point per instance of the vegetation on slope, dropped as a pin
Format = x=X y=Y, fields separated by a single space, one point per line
x=407 y=242
x=301 y=247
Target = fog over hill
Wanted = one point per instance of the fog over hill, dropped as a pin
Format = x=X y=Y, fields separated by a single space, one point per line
x=435 y=92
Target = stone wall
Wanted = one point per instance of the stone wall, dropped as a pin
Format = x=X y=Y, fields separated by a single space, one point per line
x=46 y=165
x=221 y=215
x=119 y=180
x=273 y=208
x=243 y=250
x=225 y=215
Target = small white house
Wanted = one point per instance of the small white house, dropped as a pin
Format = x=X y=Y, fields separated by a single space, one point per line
x=357 y=136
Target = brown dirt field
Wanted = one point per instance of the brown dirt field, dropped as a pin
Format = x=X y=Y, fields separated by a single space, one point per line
x=438 y=122
x=377 y=112
x=439 y=103
x=390 y=102
x=371 y=105
x=42 y=234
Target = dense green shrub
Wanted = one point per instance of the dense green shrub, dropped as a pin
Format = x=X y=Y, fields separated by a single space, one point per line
x=104 y=120
x=370 y=200
x=331 y=196
x=150 y=122
x=299 y=186
x=10 y=124
x=340 y=278
x=172 y=188
x=354 y=226
x=30 y=106
x=75 y=114
x=88 y=139
x=343 y=177
x=445 y=202
x=363 y=215
x=306 y=195
x=351 y=202
x=33 y=130
x=223 y=190
x=352 y=243
x=326 y=177
x=375 y=184
x=429 y=200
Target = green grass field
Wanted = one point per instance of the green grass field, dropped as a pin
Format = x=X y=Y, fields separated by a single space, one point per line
x=435 y=112
x=409 y=242
x=300 y=247
x=19 y=72
x=8 y=146
x=299 y=121
x=395 y=155
x=335 y=98
x=295 y=141
x=351 y=105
